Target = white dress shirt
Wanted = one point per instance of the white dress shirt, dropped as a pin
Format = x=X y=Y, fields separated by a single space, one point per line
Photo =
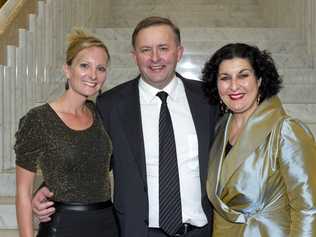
x=186 y=146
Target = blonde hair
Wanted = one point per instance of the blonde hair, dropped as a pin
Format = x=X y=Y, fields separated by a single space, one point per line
x=78 y=39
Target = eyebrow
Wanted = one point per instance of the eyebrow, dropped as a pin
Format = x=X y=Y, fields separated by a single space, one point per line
x=246 y=69
x=241 y=71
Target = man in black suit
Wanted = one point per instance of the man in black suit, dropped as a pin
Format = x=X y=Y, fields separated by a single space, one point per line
x=130 y=114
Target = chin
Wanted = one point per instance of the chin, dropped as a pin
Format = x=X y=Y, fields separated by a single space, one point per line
x=89 y=94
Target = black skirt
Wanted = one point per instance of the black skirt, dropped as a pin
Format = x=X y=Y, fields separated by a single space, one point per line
x=82 y=223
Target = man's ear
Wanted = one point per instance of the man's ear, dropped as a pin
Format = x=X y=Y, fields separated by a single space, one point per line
x=133 y=53
x=180 y=52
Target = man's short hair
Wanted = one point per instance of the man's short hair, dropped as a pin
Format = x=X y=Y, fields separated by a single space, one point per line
x=155 y=21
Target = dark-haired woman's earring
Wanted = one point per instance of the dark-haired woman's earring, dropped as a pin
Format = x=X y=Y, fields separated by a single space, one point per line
x=258 y=99
x=67 y=84
x=223 y=107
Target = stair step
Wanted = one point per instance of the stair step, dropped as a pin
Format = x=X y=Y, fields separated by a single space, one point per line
x=198 y=47
x=298 y=76
x=305 y=112
x=312 y=128
x=8 y=222
x=198 y=60
x=186 y=7
x=195 y=20
x=289 y=76
x=7 y=186
x=170 y=2
x=9 y=233
x=7 y=213
x=198 y=34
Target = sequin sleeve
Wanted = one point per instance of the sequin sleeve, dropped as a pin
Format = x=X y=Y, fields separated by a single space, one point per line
x=28 y=141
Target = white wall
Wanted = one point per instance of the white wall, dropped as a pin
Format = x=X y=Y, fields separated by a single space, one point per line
x=299 y=14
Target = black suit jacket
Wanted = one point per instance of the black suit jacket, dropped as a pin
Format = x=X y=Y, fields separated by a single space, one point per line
x=120 y=111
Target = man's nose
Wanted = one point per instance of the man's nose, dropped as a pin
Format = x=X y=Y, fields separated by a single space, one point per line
x=155 y=55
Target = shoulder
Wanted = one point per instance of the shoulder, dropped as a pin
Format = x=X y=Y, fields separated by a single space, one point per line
x=32 y=122
x=118 y=91
x=35 y=115
x=192 y=84
x=110 y=99
x=295 y=130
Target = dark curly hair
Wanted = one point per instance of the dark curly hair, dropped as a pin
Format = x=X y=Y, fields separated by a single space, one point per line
x=261 y=62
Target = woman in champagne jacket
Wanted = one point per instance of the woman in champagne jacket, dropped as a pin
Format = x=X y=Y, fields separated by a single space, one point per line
x=262 y=167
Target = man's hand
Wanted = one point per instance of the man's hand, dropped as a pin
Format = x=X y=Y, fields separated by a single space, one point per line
x=42 y=208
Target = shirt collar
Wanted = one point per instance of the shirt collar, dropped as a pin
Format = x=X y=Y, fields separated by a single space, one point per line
x=149 y=92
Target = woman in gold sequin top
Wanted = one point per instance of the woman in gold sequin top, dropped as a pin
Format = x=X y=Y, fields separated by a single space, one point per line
x=66 y=140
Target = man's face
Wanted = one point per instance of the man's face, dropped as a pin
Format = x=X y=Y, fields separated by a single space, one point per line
x=156 y=54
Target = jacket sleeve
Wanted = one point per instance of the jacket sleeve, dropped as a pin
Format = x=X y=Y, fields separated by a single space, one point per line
x=297 y=156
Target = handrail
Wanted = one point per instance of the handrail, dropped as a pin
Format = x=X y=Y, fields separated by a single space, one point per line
x=8 y=12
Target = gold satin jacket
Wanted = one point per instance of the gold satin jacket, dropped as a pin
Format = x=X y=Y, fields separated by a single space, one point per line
x=266 y=185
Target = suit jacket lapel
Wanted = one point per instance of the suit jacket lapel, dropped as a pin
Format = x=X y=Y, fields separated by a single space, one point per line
x=198 y=107
x=129 y=112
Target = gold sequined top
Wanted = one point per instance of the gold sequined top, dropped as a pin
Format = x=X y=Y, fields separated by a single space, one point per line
x=74 y=164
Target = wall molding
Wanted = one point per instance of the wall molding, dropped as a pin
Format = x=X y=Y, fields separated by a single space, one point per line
x=8 y=12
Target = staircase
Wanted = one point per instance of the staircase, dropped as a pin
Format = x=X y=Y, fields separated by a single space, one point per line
x=198 y=13
x=205 y=26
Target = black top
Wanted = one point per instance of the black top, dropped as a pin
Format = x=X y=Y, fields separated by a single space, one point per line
x=228 y=148
x=74 y=163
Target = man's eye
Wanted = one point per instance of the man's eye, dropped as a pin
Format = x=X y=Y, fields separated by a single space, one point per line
x=145 y=50
x=102 y=69
x=84 y=65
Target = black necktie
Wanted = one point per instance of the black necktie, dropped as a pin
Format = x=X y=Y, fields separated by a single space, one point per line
x=170 y=211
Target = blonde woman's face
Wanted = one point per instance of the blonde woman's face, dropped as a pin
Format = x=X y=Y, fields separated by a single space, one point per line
x=88 y=71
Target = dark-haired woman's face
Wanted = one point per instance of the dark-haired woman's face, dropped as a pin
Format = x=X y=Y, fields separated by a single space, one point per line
x=237 y=86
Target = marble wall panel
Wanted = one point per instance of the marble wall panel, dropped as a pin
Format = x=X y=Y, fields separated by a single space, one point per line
x=312 y=126
x=8 y=216
x=1 y=116
x=205 y=34
x=294 y=14
x=6 y=108
x=305 y=112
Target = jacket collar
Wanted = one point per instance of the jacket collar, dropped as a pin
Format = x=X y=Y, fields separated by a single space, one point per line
x=258 y=127
x=256 y=130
